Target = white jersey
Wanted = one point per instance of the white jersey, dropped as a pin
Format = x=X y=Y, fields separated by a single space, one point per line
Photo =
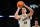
x=24 y=21
x=34 y=26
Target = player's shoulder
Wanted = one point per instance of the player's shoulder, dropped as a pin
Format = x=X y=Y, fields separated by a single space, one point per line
x=19 y=17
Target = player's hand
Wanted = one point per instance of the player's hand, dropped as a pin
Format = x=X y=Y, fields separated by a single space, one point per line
x=24 y=4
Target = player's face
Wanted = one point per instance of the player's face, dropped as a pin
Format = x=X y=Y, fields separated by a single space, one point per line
x=36 y=22
x=24 y=10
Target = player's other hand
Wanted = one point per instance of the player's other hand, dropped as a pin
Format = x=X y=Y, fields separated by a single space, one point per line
x=24 y=3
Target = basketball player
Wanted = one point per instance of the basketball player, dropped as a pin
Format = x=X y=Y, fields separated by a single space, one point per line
x=24 y=19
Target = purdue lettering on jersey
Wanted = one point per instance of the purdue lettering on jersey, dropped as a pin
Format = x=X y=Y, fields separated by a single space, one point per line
x=25 y=22
x=24 y=19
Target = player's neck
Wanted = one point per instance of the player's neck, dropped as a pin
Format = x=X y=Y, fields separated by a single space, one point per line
x=36 y=25
x=24 y=14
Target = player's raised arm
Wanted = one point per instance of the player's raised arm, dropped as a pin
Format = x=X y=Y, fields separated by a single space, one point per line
x=31 y=11
x=16 y=14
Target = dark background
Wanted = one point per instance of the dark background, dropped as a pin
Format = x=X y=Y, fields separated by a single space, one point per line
x=9 y=7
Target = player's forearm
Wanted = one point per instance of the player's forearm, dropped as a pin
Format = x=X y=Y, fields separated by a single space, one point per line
x=17 y=12
x=29 y=8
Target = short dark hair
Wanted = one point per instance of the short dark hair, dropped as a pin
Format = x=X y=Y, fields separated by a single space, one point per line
x=36 y=20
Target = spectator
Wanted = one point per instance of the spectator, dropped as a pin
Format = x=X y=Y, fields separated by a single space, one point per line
x=36 y=24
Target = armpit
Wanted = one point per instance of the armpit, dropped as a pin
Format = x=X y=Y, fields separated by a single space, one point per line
x=19 y=17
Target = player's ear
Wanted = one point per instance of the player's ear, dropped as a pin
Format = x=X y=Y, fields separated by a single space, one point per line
x=26 y=10
x=21 y=10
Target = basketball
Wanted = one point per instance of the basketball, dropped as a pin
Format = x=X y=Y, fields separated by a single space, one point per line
x=20 y=4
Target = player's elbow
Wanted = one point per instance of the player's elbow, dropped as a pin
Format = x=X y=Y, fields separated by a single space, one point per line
x=15 y=17
x=32 y=11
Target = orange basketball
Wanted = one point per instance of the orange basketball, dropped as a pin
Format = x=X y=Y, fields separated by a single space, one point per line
x=20 y=4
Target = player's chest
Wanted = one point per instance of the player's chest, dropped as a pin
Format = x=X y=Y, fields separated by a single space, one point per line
x=24 y=18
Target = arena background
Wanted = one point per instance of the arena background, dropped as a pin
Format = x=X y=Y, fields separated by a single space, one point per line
x=9 y=7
